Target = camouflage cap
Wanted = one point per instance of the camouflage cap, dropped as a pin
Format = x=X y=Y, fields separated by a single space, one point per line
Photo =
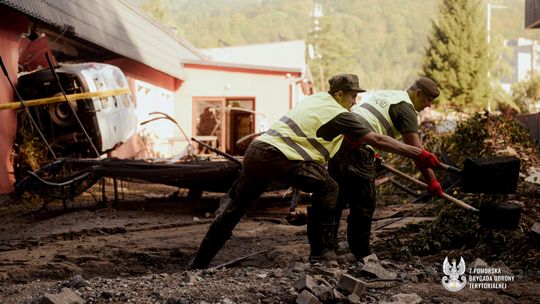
x=427 y=86
x=344 y=82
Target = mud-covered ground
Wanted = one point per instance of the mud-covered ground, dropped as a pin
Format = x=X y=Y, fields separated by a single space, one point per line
x=137 y=252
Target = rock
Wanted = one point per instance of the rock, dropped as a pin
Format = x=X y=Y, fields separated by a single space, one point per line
x=370 y=258
x=534 y=175
x=354 y=299
x=378 y=271
x=298 y=267
x=536 y=228
x=172 y=301
x=429 y=274
x=306 y=282
x=106 y=294
x=66 y=296
x=328 y=271
x=190 y=278
x=504 y=269
x=478 y=263
x=347 y=257
x=323 y=293
x=3 y=276
x=404 y=298
x=338 y=296
x=382 y=284
x=77 y=282
x=351 y=285
x=307 y=297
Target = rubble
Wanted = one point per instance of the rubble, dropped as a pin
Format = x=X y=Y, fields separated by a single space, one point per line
x=403 y=298
x=351 y=285
x=536 y=228
x=306 y=282
x=307 y=298
x=65 y=296
x=375 y=269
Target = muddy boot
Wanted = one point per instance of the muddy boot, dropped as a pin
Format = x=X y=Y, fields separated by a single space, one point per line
x=358 y=235
x=321 y=230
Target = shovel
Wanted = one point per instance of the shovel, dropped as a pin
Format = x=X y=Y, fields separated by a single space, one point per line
x=494 y=175
x=496 y=216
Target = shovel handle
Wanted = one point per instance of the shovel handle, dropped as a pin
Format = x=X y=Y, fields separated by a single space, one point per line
x=447 y=197
x=451 y=168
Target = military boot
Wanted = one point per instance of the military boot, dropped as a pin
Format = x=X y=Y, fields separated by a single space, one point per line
x=321 y=234
x=358 y=235
x=210 y=246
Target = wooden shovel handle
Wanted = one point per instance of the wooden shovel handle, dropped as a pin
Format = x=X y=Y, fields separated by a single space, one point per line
x=447 y=197
x=451 y=168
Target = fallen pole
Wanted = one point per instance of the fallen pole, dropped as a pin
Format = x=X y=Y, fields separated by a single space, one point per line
x=226 y=155
x=237 y=260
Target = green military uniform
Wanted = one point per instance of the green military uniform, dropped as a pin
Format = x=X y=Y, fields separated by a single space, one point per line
x=386 y=112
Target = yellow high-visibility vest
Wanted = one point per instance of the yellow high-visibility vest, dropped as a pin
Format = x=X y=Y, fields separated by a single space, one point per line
x=376 y=110
x=295 y=133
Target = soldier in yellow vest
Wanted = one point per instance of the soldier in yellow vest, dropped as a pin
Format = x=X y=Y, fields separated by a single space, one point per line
x=293 y=152
x=393 y=113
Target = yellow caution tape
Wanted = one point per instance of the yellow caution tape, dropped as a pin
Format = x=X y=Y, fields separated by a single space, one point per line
x=57 y=99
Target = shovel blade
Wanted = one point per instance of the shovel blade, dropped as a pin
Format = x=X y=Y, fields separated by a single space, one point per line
x=500 y=215
x=495 y=175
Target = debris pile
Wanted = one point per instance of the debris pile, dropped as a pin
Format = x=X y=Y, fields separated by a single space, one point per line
x=302 y=283
x=483 y=135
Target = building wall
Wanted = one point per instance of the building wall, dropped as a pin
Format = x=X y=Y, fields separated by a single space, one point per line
x=524 y=58
x=272 y=92
x=12 y=24
x=136 y=74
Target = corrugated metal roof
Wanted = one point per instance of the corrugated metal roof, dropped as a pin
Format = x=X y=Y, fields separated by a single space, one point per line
x=117 y=26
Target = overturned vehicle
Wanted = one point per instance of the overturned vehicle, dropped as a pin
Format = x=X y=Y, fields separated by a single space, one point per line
x=72 y=116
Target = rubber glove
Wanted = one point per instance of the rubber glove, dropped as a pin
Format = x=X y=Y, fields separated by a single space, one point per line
x=428 y=160
x=435 y=188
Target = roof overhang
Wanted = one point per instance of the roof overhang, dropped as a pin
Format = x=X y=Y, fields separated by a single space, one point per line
x=116 y=26
x=242 y=68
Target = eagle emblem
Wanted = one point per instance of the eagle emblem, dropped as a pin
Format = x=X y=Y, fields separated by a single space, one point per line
x=454 y=280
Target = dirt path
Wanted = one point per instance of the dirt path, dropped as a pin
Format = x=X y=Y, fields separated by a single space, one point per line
x=148 y=243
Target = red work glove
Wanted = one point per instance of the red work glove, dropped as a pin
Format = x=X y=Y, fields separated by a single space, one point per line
x=435 y=188
x=428 y=160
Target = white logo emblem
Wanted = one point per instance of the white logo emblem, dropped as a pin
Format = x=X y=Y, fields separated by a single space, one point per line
x=452 y=280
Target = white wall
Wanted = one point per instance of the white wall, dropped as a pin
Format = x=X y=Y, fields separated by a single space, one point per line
x=271 y=93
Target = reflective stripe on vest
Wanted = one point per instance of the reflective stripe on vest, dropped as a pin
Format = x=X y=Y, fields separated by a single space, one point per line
x=295 y=133
x=375 y=110
x=313 y=141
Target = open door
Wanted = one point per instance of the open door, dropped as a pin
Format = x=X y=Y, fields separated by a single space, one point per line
x=241 y=125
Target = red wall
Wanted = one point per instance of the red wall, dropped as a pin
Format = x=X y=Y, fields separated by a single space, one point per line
x=12 y=24
x=136 y=70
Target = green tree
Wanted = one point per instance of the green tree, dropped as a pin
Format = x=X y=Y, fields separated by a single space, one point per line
x=456 y=56
x=157 y=10
x=333 y=52
x=526 y=92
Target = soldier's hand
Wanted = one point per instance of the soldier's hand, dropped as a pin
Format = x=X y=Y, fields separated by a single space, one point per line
x=428 y=160
x=435 y=188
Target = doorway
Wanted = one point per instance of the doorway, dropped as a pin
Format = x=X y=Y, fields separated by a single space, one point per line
x=221 y=122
